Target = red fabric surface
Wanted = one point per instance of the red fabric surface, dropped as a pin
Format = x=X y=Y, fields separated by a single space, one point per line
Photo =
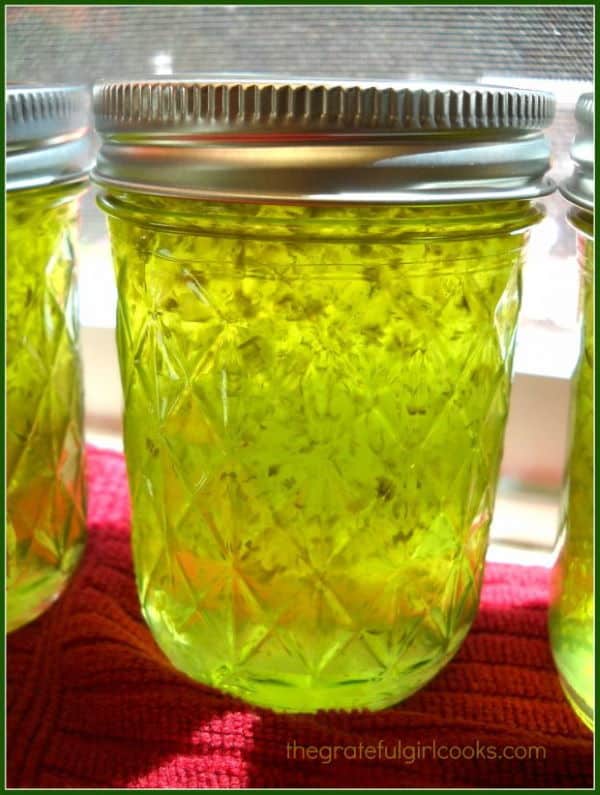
x=92 y=702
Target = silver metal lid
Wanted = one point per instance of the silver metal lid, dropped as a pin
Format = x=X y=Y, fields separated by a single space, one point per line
x=579 y=187
x=47 y=139
x=255 y=139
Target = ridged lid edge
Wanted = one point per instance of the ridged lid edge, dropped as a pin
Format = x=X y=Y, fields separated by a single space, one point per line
x=46 y=135
x=584 y=110
x=38 y=112
x=578 y=188
x=243 y=104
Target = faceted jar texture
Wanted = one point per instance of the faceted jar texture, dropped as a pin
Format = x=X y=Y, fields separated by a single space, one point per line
x=572 y=606
x=315 y=401
x=45 y=533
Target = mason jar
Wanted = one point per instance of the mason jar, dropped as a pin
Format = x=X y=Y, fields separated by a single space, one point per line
x=571 y=620
x=48 y=157
x=319 y=285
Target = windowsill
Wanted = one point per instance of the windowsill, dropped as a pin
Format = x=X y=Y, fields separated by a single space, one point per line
x=545 y=351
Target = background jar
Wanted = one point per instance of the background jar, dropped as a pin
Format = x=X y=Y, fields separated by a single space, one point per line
x=318 y=293
x=48 y=157
x=571 y=621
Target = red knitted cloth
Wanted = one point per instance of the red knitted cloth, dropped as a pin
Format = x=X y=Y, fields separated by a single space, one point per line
x=92 y=702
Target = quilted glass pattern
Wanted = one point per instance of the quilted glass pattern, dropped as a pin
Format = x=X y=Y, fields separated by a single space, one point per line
x=315 y=401
x=44 y=450
x=572 y=608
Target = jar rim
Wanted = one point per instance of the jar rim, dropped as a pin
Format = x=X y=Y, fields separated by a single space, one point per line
x=578 y=188
x=241 y=139
x=47 y=135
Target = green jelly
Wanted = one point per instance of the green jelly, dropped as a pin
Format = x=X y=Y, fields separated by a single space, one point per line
x=315 y=402
x=571 y=620
x=44 y=450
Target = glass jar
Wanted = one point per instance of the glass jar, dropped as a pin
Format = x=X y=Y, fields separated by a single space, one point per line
x=316 y=387
x=571 y=619
x=44 y=449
